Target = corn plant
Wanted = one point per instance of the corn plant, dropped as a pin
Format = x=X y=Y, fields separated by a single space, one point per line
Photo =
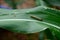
x=38 y=19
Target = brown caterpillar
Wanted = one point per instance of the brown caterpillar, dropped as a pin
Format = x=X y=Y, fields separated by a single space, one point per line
x=36 y=18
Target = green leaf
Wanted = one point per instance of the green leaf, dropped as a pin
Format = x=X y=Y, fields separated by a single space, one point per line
x=26 y=24
x=40 y=3
x=53 y=2
x=22 y=25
